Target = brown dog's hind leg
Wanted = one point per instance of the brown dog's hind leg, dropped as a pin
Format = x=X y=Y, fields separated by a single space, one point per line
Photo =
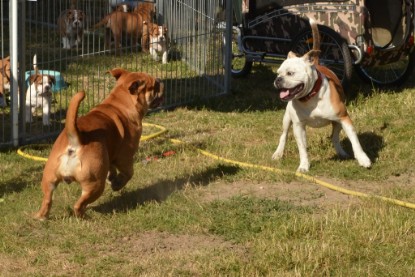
x=90 y=192
x=48 y=186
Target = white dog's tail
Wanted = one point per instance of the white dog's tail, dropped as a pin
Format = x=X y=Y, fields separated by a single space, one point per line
x=35 y=67
x=316 y=34
x=316 y=39
x=71 y=116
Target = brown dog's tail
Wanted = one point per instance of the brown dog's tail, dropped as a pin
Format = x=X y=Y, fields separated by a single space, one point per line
x=103 y=22
x=71 y=116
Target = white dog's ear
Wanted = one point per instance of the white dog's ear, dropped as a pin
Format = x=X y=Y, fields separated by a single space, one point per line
x=291 y=55
x=312 y=56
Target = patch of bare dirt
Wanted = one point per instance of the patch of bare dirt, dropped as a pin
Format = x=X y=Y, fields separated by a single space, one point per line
x=306 y=193
x=167 y=243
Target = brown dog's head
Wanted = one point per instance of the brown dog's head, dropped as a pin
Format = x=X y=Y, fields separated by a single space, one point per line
x=147 y=89
x=147 y=11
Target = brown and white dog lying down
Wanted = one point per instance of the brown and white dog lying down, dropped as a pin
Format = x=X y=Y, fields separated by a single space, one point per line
x=156 y=35
x=4 y=80
x=121 y=25
x=315 y=98
x=100 y=146
x=71 y=27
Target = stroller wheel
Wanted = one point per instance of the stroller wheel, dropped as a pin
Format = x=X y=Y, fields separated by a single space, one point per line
x=392 y=74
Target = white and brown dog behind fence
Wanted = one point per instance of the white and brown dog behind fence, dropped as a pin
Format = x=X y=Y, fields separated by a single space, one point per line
x=123 y=24
x=156 y=35
x=39 y=94
x=315 y=98
x=101 y=145
x=4 y=80
x=71 y=24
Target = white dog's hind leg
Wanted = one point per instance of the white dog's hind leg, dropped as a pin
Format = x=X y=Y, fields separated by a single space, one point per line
x=286 y=124
x=359 y=154
x=301 y=139
x=335 y=138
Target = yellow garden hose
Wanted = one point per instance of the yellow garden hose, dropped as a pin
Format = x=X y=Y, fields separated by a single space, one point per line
x=248 y=165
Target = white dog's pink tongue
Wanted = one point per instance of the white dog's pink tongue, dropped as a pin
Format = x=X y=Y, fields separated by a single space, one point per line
x=284 y=93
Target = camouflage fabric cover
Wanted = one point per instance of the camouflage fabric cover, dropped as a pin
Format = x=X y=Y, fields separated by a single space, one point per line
x=273 y=31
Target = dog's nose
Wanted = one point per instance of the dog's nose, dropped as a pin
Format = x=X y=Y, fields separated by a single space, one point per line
x=278 y=81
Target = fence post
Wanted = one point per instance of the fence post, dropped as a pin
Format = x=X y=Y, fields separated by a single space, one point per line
x=14 y=89
x=228 y=45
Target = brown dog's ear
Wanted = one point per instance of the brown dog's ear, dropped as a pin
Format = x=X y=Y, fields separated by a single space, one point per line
x=33 y=78
x=52 y=78
x=136 y=86
x=117 y=72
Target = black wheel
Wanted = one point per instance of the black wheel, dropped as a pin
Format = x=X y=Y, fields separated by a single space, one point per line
x=335 y=53
x=392 y=74
x=240 y=66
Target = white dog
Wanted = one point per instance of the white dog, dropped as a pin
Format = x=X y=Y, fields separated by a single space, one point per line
x=39 y=94
x=71 y=27
x=157 y=37
x=315 y=98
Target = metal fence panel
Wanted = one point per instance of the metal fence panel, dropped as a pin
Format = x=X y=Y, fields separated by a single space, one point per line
x=195 y=69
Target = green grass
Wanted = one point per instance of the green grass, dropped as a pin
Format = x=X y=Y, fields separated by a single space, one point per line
x=189 y=215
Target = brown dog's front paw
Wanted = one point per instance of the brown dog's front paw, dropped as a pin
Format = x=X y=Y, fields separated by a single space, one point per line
x=40 y=216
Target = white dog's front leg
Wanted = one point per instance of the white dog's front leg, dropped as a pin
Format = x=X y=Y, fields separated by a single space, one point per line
x=286 y=124
x=65 y=42
x=359 y=154
x=164 y=59
x=301 y=139
x=28 y=113
x=153 y=53
x=46 y=112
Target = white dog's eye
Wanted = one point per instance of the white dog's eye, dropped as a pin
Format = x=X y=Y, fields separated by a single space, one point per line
x=290 y=73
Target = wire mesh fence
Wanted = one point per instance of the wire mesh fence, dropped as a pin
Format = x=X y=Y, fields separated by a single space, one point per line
x=191 y=65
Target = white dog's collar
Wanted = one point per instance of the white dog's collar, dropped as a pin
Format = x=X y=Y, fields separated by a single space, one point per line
x=315 y=89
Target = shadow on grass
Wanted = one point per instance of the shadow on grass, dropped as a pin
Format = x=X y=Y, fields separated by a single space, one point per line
x=254 y=92
x=161 y=190
x=20 y=182
x=371 y=143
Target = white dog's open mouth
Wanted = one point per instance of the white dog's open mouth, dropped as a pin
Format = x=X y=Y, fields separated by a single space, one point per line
x=286 y=94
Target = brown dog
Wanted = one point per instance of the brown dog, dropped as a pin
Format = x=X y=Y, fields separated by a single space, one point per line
x=147 y=11
x=121 y=24
x=93 y=147
x=4 y=79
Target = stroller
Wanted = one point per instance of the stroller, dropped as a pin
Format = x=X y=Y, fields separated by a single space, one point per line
x=374 y=37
